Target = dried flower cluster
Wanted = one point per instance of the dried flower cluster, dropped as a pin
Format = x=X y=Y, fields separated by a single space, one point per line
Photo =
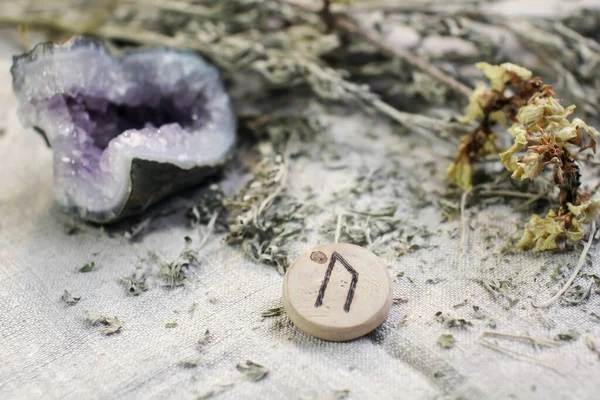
x=543 y=136
x=548 y=138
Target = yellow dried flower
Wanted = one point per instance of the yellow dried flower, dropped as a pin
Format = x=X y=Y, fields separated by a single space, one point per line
x=460 y=172
x=473 y=110
x=544 y=234
x=587 y=211
x=500 y=75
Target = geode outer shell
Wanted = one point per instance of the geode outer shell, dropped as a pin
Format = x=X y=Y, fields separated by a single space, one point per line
x=125 y=131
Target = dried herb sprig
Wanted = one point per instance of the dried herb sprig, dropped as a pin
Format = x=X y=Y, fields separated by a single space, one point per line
x=111 y=324
x=174 y=273
x=548 y=138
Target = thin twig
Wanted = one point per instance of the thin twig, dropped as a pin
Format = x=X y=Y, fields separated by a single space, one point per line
x=338 y=227
x=534 y=342
x=209 y=229
x=509 y=193
x=463 y=226
x=578 y=267
x=518 y=354
x=282 y=182
x=348 y=25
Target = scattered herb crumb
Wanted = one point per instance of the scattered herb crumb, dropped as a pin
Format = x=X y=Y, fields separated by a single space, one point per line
x=194 y=363
x=69 y=299
x=134 y=284
x=567 y=336
x=272 y=312
x=438 y=374
x=399 y=300
x=450 y=322
x=135 y=230
x=341 y=394
x=174 y=272
x=446 y=341
x=204 y=339
x=89 y=267
x=111 y=324
x=72 y=229
x=461 y=304
x=477 y=313
x=253 y=371
x=171 y=324
x=192 y=308
x=402 y=321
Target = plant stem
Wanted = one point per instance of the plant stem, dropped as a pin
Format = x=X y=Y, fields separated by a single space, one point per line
x=578 y=267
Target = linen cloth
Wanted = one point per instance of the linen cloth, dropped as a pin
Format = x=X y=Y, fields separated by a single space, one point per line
x=47 y=350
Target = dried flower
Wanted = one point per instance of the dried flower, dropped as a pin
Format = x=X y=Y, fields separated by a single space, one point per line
x=499 y=104
x=544 y=132
x=111 y=324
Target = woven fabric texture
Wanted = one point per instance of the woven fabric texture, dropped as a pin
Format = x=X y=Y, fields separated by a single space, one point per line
x=47 y=350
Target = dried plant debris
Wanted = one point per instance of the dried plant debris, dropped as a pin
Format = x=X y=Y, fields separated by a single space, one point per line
x=272 y=312
x=535 y=342
x=204 y=339
x=89 y=267
x=591 y=344
x=253 y=371
x=210 y=202
x=174 y=273
x=110 y=325
x=172 y=324
x=69 y=299
x=446 y=341
x=341 y=394
x=540 y=127
x=191 y=363
x=135 y=284
x=262 y=218
x=450 y=322
x=134 y=231
x=568 y=336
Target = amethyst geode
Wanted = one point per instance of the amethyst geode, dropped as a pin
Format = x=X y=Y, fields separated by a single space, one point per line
x=125 y=131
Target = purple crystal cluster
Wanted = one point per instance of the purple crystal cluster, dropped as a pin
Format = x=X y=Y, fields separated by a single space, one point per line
x=125 y=131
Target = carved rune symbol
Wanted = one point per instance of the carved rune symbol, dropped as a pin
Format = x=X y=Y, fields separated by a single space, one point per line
x=337 y=257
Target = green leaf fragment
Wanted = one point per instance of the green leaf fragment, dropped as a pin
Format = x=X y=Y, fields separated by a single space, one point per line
x=89 y=267
x=446 y=341
x=272 y=312
x=253 y=371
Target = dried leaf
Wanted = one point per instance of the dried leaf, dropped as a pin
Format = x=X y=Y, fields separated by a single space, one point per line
x=253 y=371
x=446 y=341
x=89 y=267
x=69 y=299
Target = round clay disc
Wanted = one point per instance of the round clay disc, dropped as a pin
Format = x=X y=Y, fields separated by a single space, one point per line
x=337 y=291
